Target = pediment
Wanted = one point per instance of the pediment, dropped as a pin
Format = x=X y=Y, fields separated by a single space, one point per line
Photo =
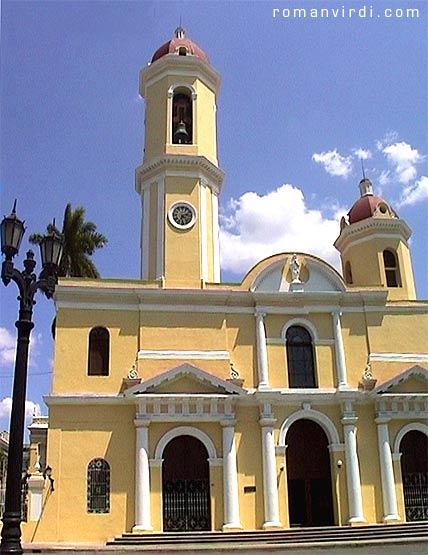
x=276 y=275
x=412 y=380
x=183 y=379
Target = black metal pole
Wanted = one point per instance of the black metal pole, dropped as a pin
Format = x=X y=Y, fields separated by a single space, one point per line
x=28 y=284
x=11 y=531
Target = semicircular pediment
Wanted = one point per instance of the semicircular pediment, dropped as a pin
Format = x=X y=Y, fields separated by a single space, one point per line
x=293 y=272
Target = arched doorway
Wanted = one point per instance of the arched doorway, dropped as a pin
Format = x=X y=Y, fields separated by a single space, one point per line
x=414 y=468
x=310 y=501
x=186 y=485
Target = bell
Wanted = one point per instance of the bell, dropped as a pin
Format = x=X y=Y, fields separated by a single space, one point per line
x=181 y=135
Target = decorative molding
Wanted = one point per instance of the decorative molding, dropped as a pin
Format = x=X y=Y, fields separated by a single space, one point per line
x=303 y=322
x=186 y=431
x=413 y=426
x=324 y=421
x=281 y=341
x=145 y=173
x=183 y=355
x=402 y=406
x=399 y=357
x=197 y=374
x=183 y=85
x=390 y=227
x=178 y=66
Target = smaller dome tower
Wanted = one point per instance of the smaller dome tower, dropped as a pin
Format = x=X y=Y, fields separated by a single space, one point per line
x=373 y=246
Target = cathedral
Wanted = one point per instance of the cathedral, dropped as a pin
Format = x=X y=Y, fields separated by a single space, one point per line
x=295 y=398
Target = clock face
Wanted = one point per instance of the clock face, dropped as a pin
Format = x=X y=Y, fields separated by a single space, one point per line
x=182 y=215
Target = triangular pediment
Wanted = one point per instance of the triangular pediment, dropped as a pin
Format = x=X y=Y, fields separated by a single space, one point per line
x=412 y=380
x=183 y=379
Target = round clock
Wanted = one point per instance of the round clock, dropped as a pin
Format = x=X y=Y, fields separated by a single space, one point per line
x=182 y=215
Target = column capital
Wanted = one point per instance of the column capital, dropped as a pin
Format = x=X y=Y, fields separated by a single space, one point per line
x=349 y=420
x=382 y=420
x=228 y=423
x=141 y=422
x=259 y=314
x=267 y=421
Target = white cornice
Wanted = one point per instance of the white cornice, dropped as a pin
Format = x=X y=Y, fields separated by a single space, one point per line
x=420 y=358
x=172 y=65
x=369 y=229
x=175 y=165
x=183 y=355
x=137 y=296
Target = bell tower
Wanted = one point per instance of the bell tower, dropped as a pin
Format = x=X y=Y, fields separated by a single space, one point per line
x=373 y=246
x=179 y=181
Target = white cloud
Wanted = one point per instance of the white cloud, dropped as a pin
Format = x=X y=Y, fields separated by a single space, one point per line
x=7 y=346
x=403 y=159
x=389 y=138
x=334 y=163
x=254 y=227
x=362 y=154
x=6 y=408
x=415 y=193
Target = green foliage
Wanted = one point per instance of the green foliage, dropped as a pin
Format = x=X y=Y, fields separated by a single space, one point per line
x=81 y=240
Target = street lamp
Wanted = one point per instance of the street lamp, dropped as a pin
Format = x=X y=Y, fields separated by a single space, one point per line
x=12 y=231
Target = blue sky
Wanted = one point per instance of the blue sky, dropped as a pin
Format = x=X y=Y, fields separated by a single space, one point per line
x=301 y=101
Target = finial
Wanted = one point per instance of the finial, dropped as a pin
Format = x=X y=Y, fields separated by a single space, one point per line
x=366 y=187
x=14 y=207
x=362 y=168
x=180 y=33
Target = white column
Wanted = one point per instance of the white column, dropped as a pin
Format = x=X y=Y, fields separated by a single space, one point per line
x=145 y=233
x=340 y=352
x=36 y=484
x=232 y=519
x=216 y=237
x=160 y=228
x=203 y=230
x=270 y=487
x=390 y=508
x=143 y=521
x=262 y=359
x=355 y=499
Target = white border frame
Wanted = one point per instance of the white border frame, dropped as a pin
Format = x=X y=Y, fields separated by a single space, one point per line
x=186 y=431
x=174 y=223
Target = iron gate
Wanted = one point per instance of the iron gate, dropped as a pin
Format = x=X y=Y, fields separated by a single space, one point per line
x=416 y=495
x=186 y=505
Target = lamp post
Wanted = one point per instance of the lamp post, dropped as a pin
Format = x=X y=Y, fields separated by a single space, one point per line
x=12 y=231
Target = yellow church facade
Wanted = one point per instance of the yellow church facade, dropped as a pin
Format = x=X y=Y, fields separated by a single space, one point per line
x=295 y=398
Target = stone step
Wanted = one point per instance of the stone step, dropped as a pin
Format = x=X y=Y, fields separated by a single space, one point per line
x=407 y=531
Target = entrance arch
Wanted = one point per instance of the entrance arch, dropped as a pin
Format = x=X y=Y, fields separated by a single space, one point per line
x=310 y=500
x=186 y=485
x=414 y=470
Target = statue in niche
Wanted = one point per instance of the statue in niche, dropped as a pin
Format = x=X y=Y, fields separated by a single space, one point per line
x=295 y=269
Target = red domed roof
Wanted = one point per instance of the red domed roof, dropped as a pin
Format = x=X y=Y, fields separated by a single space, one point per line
x=180 y=41
x=368 y=204
x=364 y=208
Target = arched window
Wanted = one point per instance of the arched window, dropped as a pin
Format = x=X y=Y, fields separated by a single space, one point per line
x=98 y=488
x=99 y=351
x=348 y=273
x=182 y=117
x=392 y=272
x=300 y=357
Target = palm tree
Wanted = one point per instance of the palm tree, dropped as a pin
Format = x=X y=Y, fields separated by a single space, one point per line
x=81 y=240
